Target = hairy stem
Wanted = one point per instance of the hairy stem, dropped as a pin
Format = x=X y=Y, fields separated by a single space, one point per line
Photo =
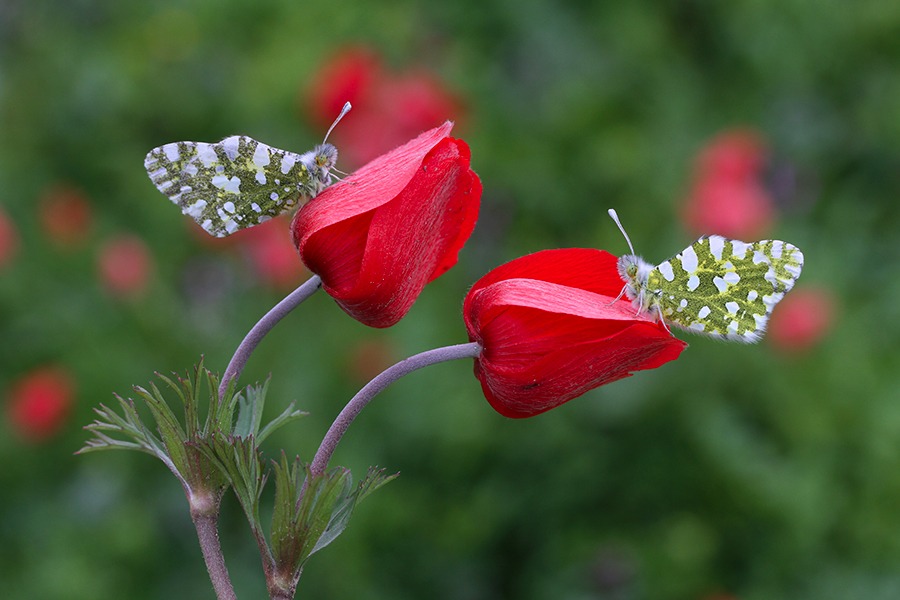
x=207 y=532
x=374 y=387
x=264 y=326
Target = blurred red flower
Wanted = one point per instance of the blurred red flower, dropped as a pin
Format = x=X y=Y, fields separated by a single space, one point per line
x=388 y=109
x=40 y=402
x=368 y=358
x=124 y=264
x=728 y=197
x=551 y=330
x=377 y=238
x=272 y=254
x=9 y=239
x=802 y=320
x=65 y=216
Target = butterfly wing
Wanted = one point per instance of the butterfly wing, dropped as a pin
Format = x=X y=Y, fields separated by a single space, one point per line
x=230 y=185
x=726 y=288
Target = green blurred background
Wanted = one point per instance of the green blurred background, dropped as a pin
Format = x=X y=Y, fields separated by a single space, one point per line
x=736 y=471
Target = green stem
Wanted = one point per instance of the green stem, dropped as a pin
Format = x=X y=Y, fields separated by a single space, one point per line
x=207 y=531
x=381 y=381
x=264 y=326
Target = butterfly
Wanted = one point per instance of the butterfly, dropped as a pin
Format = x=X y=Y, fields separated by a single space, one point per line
x=239 y=182
x=716 y=286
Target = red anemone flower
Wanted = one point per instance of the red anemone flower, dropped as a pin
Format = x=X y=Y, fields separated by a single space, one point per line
x=40 y=402
x=388 y=107
x=728 y=196
x=803 y=319
x=124 y=264
x=9 y=239
x=551 y=330
x=377 y=238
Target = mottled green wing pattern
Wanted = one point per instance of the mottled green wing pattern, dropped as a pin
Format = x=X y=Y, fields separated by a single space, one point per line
x=725 y=288
x=236 y=183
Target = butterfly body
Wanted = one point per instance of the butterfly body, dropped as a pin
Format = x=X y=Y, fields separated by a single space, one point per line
x=716 y=286
x=238 y=182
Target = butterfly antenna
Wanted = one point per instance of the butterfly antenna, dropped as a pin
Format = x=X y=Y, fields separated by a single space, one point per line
x=615 y=217
x=344 y=111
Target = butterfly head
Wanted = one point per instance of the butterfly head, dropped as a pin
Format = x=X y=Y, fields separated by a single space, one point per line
x=324 y=158
x=634 y=272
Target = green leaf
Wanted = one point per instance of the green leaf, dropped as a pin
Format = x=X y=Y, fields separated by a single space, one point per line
x=307 y=520
x=342 y=511
x=284 y=418
x=173 y=435
x=250 y=410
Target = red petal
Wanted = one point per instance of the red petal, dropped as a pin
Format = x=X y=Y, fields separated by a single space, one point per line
x=582 y=268
x=570 y=371
x=378 y=242
x=377 y=183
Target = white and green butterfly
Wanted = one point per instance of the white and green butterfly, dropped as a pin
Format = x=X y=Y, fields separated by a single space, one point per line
x=239 y=182
x=716 y=286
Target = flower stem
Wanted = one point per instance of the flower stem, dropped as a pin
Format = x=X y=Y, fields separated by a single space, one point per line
x=374 y=387
x=264 y=326
x=208 y=534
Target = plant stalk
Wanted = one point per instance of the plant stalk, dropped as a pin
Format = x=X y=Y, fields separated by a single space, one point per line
x=264 y=326
x=374 y=387
x=207 y=532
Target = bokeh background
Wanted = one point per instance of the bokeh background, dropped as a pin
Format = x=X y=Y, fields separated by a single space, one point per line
x=736 y=472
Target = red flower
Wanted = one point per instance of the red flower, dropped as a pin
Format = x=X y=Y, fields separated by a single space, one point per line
x=9 y=239
x=124 y=265
x=802 y=320
x=393 y=226
x=388 y=109
x=65 y=216
x=728 y=197
x=40 y=402
x=349 y=76
x=551 y=330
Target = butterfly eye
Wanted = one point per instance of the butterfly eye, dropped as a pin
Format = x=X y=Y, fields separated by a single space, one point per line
x=632 y=270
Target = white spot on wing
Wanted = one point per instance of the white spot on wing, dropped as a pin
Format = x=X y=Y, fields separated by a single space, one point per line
x=739 y=249
x=261 y=155
x=287 y=163
x=731 y=277
x=777 y=248
x=231 y=145
x=261 y=177
x=720 y=284
x=689 y=260
x=732 y=307
x=195 y=210
x=171 y=151
x=693 y=282
x=704 y=312
x=666 y=270
x=206 y=154
x=229 y=185
x=716 y=246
